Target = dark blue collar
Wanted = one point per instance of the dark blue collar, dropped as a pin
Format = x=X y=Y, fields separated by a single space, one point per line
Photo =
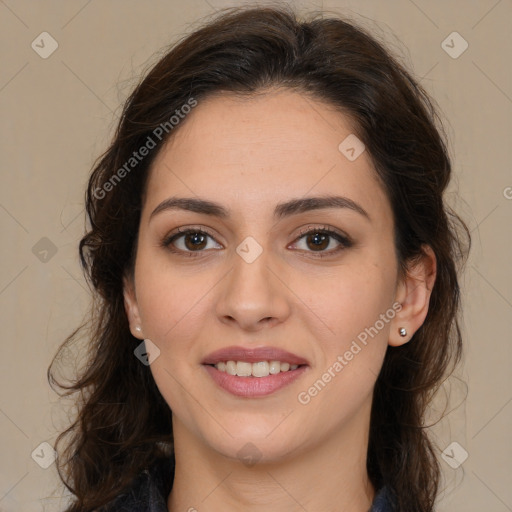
x=382 y=501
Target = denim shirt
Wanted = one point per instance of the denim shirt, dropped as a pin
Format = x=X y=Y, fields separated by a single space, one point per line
x=151 y=488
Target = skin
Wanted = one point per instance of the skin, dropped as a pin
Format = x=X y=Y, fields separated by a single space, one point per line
x=250 y=154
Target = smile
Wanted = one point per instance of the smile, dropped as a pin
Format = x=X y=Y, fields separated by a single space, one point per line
x=259 y=369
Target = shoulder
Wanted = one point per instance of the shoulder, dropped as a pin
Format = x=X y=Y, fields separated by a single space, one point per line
x=148 y=492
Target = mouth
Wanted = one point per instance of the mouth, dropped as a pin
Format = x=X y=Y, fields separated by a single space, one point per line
x=254 y=372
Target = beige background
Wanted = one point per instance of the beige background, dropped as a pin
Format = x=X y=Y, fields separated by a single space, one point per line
x=56 y=117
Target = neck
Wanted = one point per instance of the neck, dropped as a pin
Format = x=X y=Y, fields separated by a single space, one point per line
x=330 y=476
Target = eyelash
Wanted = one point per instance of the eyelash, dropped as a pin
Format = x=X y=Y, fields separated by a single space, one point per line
x=344 y=241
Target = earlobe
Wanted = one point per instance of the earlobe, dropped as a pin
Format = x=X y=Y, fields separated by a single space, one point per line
x=131 y=308
x=413 y=293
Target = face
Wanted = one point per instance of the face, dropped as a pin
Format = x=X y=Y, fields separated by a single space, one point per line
x=319 y=283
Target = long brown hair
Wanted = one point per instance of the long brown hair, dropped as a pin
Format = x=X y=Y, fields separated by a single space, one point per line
x=123 y=424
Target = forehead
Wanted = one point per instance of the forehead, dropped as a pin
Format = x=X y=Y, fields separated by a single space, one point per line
x=250 y=151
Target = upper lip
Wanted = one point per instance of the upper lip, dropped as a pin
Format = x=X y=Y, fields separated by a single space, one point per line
x=253 y=355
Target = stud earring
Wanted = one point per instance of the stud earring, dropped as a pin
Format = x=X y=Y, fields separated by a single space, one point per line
x=402 y=331
x=137 y=328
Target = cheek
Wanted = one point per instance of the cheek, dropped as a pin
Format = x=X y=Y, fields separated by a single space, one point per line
x=169 y=300
x=357 y=309
x=348 y=302
x=173 y=309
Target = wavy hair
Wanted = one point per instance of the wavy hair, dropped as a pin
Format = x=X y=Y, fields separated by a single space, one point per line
x=123 y=424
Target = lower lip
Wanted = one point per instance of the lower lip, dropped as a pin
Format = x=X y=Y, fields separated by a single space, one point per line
x=254 y=386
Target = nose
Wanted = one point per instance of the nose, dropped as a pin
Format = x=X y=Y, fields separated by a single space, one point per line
x=252 y=295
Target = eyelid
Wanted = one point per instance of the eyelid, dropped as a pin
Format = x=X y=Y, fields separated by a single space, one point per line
x=324 y=228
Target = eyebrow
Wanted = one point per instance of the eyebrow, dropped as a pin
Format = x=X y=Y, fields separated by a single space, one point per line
x=282 y=210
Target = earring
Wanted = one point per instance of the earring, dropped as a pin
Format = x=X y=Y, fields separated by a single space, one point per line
x=402 y=331
x=137 y=328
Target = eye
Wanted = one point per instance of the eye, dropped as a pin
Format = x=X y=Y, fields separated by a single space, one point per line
x=318 y=240
x=191 y=240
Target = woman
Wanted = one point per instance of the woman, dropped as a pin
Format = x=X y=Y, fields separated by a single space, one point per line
x=275 y=275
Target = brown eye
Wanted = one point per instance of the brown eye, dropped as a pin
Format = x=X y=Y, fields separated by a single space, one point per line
x=195 y=241
x=189 y=241
x=319 y=240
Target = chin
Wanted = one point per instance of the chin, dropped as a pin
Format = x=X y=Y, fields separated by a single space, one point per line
x=257 y=447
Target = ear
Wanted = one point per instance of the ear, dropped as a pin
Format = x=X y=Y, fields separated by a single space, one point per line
x=131 y=307
x=413 y=293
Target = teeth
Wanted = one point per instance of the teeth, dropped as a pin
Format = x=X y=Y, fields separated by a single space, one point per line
x=260 y=369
